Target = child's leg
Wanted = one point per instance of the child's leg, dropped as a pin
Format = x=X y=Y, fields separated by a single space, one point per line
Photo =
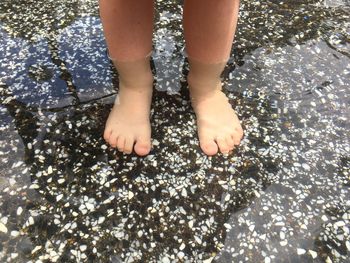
x=128 y=28
x=209 y=27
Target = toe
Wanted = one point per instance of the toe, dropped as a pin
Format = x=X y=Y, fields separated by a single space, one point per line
x=223 y=146
x=129 y=143
x=230 y=143
x=143 y=145
x=236 y=139
x=239 y=132
x=237 y=136
x=121 y=143
x=112 y=140
x=208 y=145
x=107 y=133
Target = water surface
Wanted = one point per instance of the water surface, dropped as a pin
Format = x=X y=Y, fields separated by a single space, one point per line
x=282 y=196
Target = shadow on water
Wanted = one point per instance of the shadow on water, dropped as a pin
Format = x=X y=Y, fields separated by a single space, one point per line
x=68 y=197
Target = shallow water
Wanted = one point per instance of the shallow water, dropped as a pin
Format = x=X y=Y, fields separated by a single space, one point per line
x=282 y=196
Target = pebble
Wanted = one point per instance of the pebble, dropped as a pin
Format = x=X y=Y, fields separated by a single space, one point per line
x=14 y=233
x=181 y=255
x=19 y=210
x=339 y=224
x=347 y=243
x=83 y=248
x=313 y=253
x=301 y=251
x=297 y=214
x=182 y=246
x=36 y=249
x=61 y=180
x=165 y=260
x=89 y=206
x=306 y=166
x=180 y=185
x=130 y=195
x=251 y=228
x=208 y=260
x=59 y=197
x=227 y=226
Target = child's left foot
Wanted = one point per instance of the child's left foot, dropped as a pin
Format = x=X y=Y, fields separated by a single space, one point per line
x=218 y=125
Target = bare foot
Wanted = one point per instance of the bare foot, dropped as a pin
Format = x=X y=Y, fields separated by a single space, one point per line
x=218 y=125
x=128 y=125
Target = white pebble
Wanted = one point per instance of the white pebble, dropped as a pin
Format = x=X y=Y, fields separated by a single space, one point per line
x=208 y=260
x=165 y=260
x=83 y=247
x=301 y=251
x=19 y=211
x=297 y=214
x=89 y=206
x=339 y=224
x=198 y=240
x=36 y=249
x=283 y=243
x=101 y=219
x=30 y=220
x=347 y=243
x=61 y=181
x=282 y=235
x=104 y=147
x=306 y=166
x=324 y=218
x=130 y=195
x=34 y=186
x=59 y=197
x=14 y=233
x=313 y=254
x=227 y=226
x=181 y=255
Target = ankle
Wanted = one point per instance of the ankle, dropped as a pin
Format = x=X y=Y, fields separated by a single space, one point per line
x=137 y=81
x=203 y=87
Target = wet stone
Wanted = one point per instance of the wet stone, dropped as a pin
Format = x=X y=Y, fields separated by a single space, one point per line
x=282 y=195
x=24 y=246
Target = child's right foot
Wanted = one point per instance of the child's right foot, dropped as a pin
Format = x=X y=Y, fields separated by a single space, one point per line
x=128 y=125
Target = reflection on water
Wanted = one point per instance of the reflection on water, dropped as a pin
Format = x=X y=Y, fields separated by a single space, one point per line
x=282 y=196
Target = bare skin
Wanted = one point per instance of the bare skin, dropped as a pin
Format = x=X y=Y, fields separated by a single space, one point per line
x=209 y=28
x=128 y=125
x=219 y=128
x=128 y=28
